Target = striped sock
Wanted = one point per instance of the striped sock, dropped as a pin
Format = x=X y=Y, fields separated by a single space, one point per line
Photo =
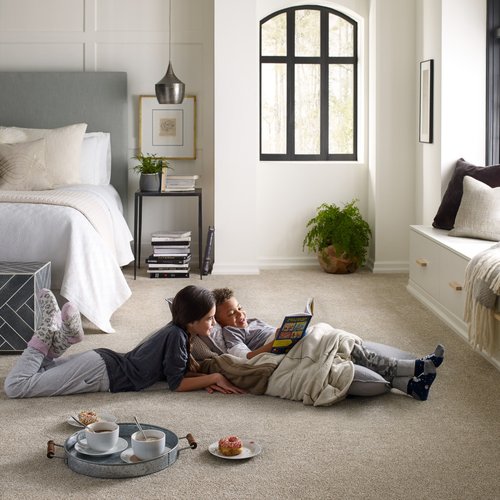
x=71 y=330
x=49 y=323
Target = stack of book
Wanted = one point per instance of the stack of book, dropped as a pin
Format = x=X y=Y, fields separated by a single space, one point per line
x=171 y=255
x=179 y=183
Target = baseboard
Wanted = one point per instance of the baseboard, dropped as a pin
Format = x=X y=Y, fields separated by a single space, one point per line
x=234 y=269
x=388 y=267
x=288 y=263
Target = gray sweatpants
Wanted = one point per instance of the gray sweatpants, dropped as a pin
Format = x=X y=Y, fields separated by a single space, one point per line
x=34 y=375
x=385 y=360
x=391 y=364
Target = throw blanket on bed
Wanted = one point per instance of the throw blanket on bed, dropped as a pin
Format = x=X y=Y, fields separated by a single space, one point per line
x=482 y=287
x=317 y=371
x=81 y=201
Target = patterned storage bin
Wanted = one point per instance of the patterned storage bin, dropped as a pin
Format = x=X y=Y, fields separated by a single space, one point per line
x=19 y=309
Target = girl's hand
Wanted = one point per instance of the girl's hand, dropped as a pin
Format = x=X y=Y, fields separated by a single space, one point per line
x=223 y=385
x=215 y=382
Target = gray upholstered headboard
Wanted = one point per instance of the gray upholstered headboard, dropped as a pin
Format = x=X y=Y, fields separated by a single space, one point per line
x=56 y=99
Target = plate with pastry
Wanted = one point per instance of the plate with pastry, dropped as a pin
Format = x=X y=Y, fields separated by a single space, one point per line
x=87 y=417
x=234 y=448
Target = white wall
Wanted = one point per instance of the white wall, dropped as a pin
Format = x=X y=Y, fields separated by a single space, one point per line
x=392 y=131
x=463 y=83
x=131 y=36
x=452 y=32
x=276 y=199
x=260 y=208
x=288 y=193
x=236 y=137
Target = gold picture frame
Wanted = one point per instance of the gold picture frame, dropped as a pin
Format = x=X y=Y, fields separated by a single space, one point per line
x=167 y=130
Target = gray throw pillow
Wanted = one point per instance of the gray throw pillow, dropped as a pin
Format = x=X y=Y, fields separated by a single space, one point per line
x=366 y=382
x=479 y=213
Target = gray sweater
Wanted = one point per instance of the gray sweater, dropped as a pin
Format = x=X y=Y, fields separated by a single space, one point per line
x=162 y=356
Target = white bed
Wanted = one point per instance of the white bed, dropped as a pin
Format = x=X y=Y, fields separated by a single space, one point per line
x=78 y=226
x=86 y=266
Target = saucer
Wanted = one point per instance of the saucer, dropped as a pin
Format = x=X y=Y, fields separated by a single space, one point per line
x=129 y=457
x=102 y=416
x=81 y=447
x=250 y=449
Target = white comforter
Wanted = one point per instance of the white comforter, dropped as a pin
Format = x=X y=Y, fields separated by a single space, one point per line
x=318 y=370
x=85 y=264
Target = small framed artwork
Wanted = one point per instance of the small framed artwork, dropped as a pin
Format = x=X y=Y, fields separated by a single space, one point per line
x=426 y=101
x=167 y=130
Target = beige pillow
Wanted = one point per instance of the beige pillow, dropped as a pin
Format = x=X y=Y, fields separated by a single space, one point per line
x=479 y=213
x=63 y=149
x=22 y=166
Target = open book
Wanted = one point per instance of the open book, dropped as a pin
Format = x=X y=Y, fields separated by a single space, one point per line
x=293 y=328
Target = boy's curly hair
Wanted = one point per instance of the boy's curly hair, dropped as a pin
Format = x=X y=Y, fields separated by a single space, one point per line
x=221 y=295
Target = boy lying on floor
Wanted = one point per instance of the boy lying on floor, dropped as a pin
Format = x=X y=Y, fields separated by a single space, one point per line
x=377 y=367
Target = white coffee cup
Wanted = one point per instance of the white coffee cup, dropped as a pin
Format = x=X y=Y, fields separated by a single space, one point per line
x=151 y=447
x=102 y=436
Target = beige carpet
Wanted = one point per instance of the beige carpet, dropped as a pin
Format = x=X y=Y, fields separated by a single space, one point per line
x=388 y=447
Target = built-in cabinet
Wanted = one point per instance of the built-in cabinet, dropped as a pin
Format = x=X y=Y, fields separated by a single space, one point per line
x=437 y=274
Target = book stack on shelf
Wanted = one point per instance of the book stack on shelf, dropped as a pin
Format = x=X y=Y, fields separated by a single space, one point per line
x=171 y=255
x=179 y=183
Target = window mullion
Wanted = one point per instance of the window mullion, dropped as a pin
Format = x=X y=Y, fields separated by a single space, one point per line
x=290 y=49
x=324 y=116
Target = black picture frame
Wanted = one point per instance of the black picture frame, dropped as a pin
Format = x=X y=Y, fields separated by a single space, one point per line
x=426 y=110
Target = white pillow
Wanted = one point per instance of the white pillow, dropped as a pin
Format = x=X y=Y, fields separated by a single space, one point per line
x=479 y=213
x=95 y=160
x=62 y=149
x=22 y=166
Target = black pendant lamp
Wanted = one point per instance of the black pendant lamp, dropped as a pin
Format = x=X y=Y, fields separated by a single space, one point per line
x=170 y=90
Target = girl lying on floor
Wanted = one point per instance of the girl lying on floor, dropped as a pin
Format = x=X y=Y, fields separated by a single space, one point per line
x=165 y=355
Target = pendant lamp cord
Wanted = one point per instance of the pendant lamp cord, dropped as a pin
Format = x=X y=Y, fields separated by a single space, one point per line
x=169 y=30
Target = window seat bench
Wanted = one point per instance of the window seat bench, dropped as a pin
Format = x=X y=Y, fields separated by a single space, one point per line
x=437 y=274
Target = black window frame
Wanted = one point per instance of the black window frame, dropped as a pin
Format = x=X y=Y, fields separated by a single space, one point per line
x=493 y=83
x=324 y=60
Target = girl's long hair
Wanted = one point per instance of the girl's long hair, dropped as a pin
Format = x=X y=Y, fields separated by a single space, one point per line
x=191 y=304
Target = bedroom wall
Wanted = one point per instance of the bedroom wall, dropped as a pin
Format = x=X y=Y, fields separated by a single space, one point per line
x=452 y=32
x=131 y=36
x=261 y=208
x=398 y=180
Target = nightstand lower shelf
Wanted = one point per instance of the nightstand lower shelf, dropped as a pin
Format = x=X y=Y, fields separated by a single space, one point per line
x=139 y=195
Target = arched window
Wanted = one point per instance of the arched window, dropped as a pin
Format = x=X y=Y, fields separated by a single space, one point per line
x=308 y=85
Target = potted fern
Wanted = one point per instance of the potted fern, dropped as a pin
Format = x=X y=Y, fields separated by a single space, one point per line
x=340 y=236
x=150 y=167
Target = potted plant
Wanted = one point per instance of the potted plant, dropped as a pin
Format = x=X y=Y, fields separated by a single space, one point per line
x=150 y=167
x=340 y=236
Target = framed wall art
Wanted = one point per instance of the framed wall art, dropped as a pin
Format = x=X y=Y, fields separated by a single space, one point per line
x=426 y=101
x=167 y=130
